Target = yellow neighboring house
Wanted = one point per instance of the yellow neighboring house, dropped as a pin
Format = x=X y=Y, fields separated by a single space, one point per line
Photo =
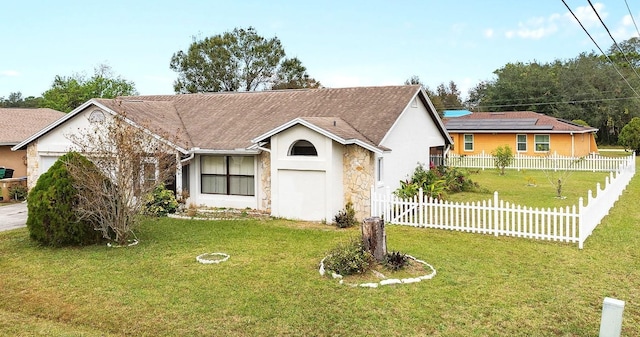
x=526 y=132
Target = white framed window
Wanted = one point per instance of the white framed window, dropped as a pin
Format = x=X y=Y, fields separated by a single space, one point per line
x=302 y=148
x=541 y=143
x=230 y=175
x=468 y=142
x=521 y=143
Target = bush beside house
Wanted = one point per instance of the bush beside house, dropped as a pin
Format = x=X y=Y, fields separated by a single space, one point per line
x=52 y=220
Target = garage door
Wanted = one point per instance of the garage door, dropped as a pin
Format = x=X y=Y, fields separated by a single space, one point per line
x=46 y=162
x=302 y=195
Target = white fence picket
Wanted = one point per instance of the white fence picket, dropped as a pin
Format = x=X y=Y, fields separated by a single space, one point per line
x=593 y=162
x=497 y=217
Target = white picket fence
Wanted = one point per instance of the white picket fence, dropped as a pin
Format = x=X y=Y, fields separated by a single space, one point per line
x=593 y=162
x=497 y=217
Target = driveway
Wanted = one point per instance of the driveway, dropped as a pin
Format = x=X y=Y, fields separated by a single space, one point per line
x=13 y=216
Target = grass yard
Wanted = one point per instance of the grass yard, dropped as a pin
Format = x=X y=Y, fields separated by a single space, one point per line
x=270 y=286
x=515 y=187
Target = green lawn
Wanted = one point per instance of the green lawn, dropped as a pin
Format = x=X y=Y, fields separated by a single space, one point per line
x=516 y=188
x=485 y=286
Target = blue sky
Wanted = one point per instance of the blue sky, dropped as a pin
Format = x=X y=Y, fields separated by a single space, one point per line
x=342 y=43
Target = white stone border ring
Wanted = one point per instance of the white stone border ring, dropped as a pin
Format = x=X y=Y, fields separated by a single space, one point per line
x=206 y=258
x=385 y=281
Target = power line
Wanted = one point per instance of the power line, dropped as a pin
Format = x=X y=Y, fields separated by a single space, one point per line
x=612 y=39
x=560 y=102
x=546 y=103
x=601 y=51
x=632 y=19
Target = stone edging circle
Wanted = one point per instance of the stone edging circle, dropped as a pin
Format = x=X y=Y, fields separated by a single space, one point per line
x=206 y=258
x=384 y=282
x=115 y=245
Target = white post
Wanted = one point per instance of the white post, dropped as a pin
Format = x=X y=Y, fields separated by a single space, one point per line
x=611 y=322
x=496 y=214
x=581 y=223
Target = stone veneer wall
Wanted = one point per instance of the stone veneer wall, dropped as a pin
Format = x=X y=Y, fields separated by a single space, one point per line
x=32 y=164
x=264 y=165
x=358 y=177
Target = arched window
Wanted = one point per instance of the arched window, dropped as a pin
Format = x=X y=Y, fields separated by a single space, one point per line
x=96 y=116
x=302 y=148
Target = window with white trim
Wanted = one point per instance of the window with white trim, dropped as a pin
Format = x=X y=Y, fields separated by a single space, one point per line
x=379 y=162
x=468 y=142
x=521 y=143
x=541 y=143
x=230 y=175
x=302 y=148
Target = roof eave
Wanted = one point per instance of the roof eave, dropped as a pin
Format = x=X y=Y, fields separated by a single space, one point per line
x=432 y=111
x=22 y=145
x=248 y=150
x=81 y=108
x=317 y=129
x=519 y=131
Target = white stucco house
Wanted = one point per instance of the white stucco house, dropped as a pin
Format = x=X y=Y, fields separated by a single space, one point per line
x=299 y=154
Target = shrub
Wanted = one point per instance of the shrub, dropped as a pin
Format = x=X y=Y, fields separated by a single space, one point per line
x=502 y=157
x=395 y=261
x=630 y=135
x=160 y=202
x=349 y=258
x=436 y=182
x=18 y=192
x=347 y=217
x=51 y=217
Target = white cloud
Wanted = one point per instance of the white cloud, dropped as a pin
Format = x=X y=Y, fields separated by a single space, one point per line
x=625 y=29
x=458 y=28
x=488 y=33
x=535 y=28
x=587 y=16
x=9 y=73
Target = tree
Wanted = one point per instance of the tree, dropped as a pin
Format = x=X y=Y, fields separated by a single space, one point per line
x=15 y=100
x=433 y=97
x=239 y=60
x=67 y=93
x=628 y=54
x=558 y=177
x=293 y=75
x=477 y=95
x=135 y=163
x=630 y=135
x=414 y=80
x=587 y=87
x=502 y=157
x=449 y=95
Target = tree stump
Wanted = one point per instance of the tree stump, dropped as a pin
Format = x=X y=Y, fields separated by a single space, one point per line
x=374 y=237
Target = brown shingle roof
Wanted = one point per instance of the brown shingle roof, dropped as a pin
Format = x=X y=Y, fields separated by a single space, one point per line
x=228 y=121
x=338 y=127
x=510 y=121
x=17 y=124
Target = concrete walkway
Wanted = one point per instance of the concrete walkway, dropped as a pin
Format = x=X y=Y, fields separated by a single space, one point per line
x=13 y=216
